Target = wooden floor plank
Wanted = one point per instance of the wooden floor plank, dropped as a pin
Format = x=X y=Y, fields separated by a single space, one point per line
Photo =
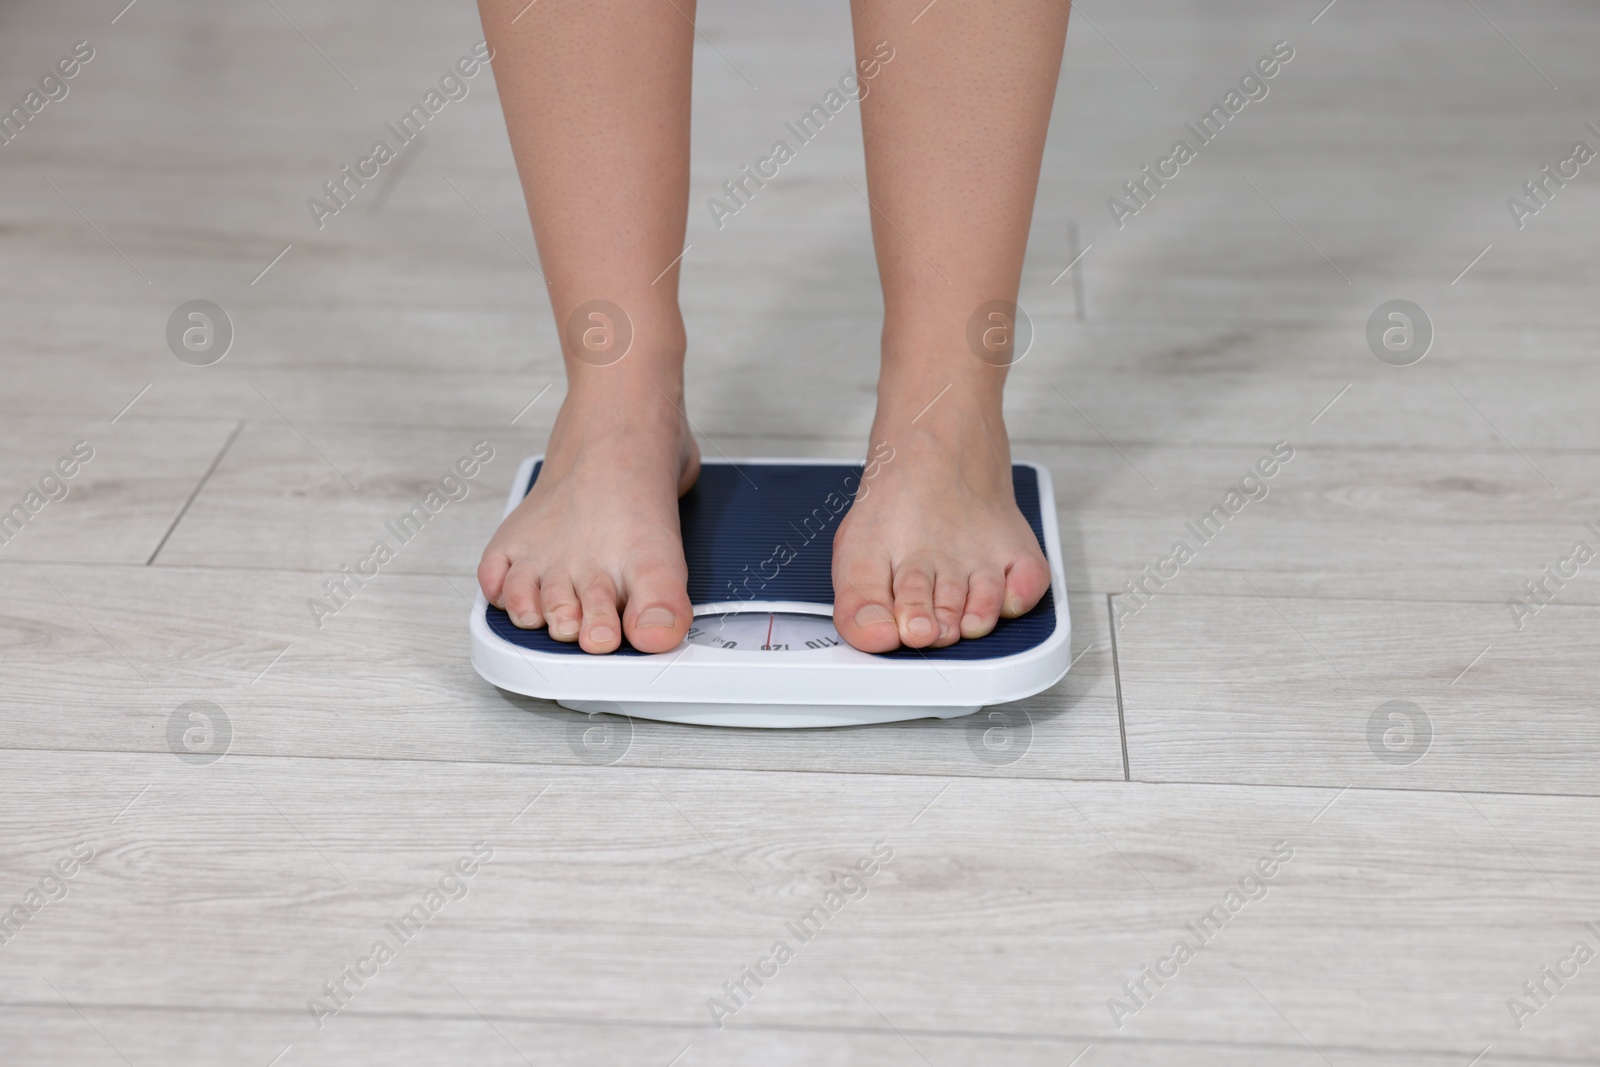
x=1478 y=524
x=775 y=369
x=58 y=1034
x=1376 y=693
x=999 y=906
x=217 y=1039
x=388 y=677
x=98 y=490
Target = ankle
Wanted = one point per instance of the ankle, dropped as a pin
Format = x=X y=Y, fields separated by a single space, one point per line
x=638 y=380
x=972 y=359
x=646 y=402
x=926 y=387
x=622 y=345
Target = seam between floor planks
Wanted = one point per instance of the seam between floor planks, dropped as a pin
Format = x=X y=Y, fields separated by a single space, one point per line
x=1209 y=445
x=216 y=461
x=929 y=775
x=759 y=1028
x=1116 y=677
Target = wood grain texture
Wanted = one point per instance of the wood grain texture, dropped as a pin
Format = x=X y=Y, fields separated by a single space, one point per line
x=1007 y=907
x=1282 y=689
x=150 y=640
x=121 y=500
x=58 y=1034
x=1477 y=523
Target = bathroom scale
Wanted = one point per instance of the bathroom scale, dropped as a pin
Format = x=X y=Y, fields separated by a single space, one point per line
x=762 y=650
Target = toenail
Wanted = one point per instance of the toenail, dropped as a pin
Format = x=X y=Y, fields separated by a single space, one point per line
x=920 y=626
x=602 y=634
x=971 y=623
x=657 y=617
x=566 y=627
x=871 y=615
x=1013 y=605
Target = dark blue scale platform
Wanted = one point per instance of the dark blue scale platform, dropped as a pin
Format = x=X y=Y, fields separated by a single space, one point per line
x=764 y=531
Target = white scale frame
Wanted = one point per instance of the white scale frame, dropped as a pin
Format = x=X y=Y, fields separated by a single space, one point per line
x=836 y=686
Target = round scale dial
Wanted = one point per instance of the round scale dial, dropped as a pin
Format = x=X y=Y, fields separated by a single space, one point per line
x=765 y=631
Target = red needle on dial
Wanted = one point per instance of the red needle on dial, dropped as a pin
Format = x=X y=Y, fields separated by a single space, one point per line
x=769 y=630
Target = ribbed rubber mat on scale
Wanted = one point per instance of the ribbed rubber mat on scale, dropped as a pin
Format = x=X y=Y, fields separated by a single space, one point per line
x=764 y=532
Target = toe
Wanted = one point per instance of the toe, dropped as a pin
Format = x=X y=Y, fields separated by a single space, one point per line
x=602 y=630
x=949 y=597
x=520 y=596
x=562 y=611
x=913 y=605
x=862 y=610
x=1026 y=581
x=492 y=571
x=985 y=595
x=658 y=612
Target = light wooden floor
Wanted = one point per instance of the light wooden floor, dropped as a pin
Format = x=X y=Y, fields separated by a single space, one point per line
x=1432 y=875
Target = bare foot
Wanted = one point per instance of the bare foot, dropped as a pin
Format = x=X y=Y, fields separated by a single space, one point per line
x=934 y=548
x=597 y=538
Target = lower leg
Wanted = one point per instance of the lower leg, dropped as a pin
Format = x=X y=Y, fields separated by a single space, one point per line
x=954 y=128
x=596 y=99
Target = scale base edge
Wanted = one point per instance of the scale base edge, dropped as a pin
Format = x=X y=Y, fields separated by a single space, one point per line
x=765 y=716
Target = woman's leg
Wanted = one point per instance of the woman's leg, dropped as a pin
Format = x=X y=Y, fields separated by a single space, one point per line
x=596 y=99
x=954 y=126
